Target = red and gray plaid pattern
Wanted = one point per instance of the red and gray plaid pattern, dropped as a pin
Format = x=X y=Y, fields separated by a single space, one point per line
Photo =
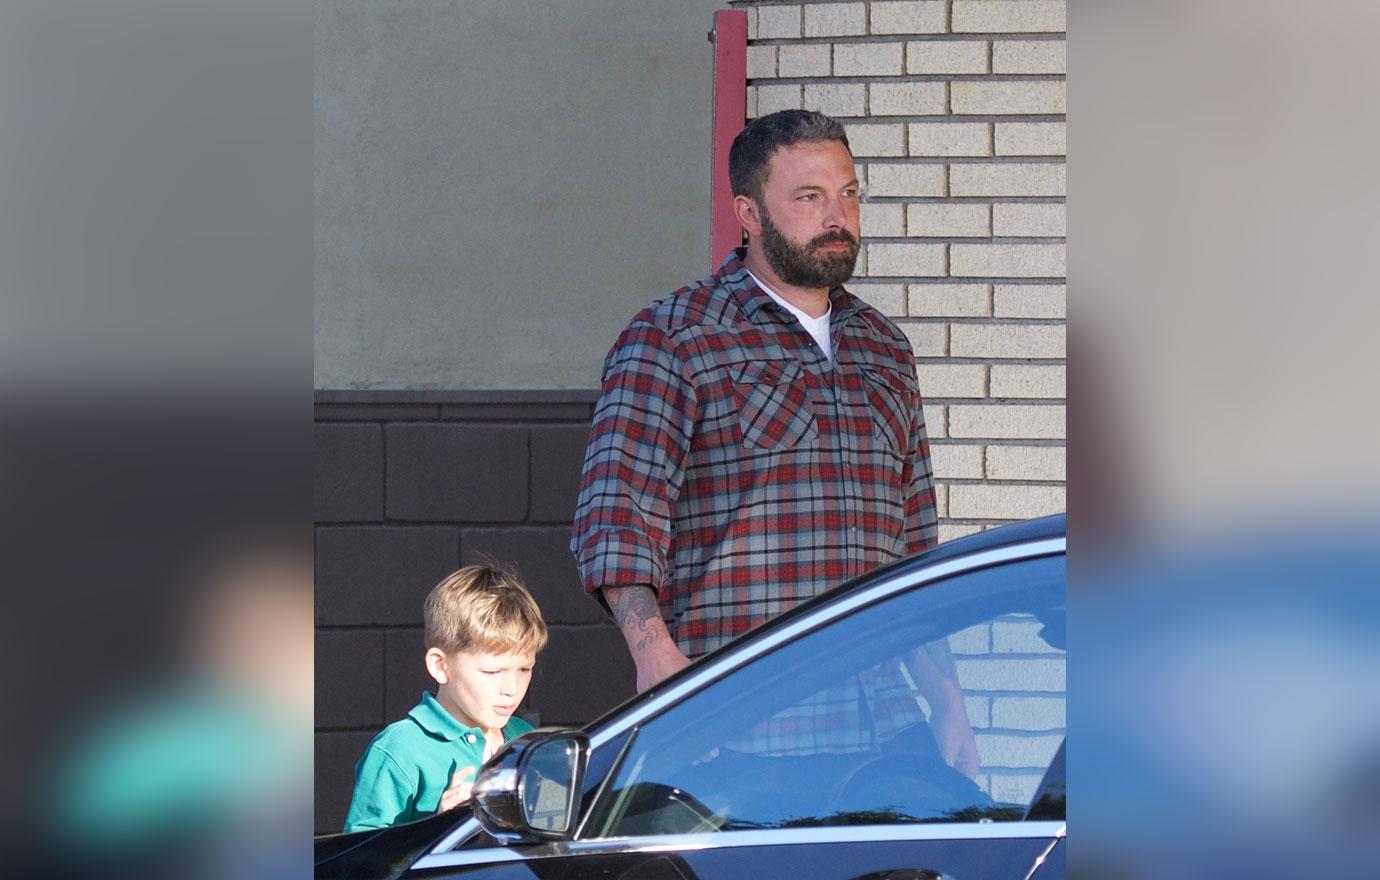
x=731 y=469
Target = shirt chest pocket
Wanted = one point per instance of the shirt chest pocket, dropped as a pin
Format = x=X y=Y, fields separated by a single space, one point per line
x=774 y=410
x=890 y=394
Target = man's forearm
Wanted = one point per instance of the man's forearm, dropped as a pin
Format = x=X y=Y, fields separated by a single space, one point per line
x=653 y=650
x=638 y=616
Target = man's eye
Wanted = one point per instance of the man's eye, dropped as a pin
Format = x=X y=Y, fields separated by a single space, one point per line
x=850 y=194
x=808 y=197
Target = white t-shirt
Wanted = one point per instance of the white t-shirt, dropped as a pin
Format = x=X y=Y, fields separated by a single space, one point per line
x=816 y=327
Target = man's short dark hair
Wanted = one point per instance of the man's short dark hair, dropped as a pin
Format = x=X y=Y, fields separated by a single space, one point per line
x=752 y=148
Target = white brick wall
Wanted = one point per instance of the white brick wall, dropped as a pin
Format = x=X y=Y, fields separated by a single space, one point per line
x=1007 y=179
x=1028 y=56
x=939 y=219
x=1028 y=219
x=950 y=139
x=946 y=56
x=957 y=380
x=955 y=112
x=1014 y=16
x=1030 y=138
x=950 y=300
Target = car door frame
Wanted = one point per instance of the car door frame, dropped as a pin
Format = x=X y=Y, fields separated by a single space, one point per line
x=445 y=854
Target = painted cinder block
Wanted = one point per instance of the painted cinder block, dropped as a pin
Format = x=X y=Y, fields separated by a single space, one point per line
x=1007 y=260
x=835 y=19
x=1008 y=501
x=1028 y=301
x=1007 y=421
x=1031 y=138
x=906 y=99
x=1029 y=56
x=1026 y=462
x=956 y=462
x=1028 y=380
x=1003 y=97
x=1009 y=16
x=956 y=380
x=873 y=139
x=889 y=299
x=949 y=300
x=948 y=220
x=927 y=339
x=836 y=99
x=1029 y=219
x=909 y=17
x=869 y=59
x=905 y=179
x=1007 y=179
x=942 y=139
x=946 y=56
x=997 y=341
x=905 y=258
x=883 y=219
x=807 y=59
x=778 y=22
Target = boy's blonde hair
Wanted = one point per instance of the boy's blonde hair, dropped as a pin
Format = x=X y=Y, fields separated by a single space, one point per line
x=483 y=608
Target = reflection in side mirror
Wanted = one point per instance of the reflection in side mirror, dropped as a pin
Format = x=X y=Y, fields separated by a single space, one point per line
x=529 y=791
x=548 y=786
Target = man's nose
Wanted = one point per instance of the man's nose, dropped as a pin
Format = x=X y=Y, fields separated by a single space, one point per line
x=833 y=214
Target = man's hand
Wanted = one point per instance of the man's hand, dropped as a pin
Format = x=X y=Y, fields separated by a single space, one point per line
x=954 y=734
x=937 y=680
x=654 y=653
x=459 y=790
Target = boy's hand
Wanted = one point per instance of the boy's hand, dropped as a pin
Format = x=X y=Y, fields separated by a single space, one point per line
x=459 y=790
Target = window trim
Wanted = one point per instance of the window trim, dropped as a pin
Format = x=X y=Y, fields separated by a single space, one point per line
x=676 y=843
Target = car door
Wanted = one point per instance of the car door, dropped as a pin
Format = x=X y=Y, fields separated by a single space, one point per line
x=831 y=756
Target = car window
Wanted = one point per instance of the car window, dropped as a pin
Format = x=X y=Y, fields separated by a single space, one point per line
x=867 y=720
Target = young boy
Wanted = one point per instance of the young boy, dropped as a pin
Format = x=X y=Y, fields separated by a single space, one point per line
x=483 y=632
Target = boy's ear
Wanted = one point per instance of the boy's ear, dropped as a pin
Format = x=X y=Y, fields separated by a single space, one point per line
x=436 y=665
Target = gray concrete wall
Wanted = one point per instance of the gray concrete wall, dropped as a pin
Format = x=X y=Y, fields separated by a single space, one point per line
x=501 y=184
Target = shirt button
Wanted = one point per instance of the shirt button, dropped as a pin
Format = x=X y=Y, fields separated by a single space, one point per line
x=469 y=737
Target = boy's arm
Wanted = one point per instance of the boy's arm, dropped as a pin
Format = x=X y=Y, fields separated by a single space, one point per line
x=384 y=792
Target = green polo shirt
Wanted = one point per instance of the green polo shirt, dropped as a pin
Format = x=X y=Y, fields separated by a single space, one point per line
x=402 y=774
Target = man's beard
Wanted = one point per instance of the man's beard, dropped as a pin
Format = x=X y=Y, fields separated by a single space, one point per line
x=801 y=265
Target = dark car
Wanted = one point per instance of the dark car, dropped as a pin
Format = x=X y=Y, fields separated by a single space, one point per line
x=804 y=748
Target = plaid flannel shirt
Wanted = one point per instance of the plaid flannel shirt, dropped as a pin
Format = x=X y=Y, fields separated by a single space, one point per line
x=736 y=472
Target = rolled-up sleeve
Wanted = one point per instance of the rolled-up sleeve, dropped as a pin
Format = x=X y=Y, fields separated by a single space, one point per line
x=634 y=463
x=922 y=521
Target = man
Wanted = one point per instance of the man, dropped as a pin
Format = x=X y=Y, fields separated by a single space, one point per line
x=759 y=437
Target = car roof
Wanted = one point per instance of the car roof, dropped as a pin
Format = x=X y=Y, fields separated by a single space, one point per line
x=1028 y=531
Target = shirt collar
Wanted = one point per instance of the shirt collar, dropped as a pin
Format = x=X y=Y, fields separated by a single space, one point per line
x=432 y=717
x=751 y=297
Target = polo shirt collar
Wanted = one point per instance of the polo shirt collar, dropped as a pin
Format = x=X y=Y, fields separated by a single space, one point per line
x=751 y=298
x=432 y=717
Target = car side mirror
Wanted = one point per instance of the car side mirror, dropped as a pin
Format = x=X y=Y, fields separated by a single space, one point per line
x=530 y=790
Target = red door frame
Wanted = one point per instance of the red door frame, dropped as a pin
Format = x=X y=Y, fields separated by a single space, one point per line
x=730 y=113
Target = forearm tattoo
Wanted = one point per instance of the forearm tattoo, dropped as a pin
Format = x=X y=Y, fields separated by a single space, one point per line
x=637 y=614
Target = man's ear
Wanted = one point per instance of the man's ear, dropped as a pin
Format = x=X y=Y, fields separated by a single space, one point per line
x=436 y=665
x=748 y=214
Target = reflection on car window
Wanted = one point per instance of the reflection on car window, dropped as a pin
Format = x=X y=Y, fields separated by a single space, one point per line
x=847 y=725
